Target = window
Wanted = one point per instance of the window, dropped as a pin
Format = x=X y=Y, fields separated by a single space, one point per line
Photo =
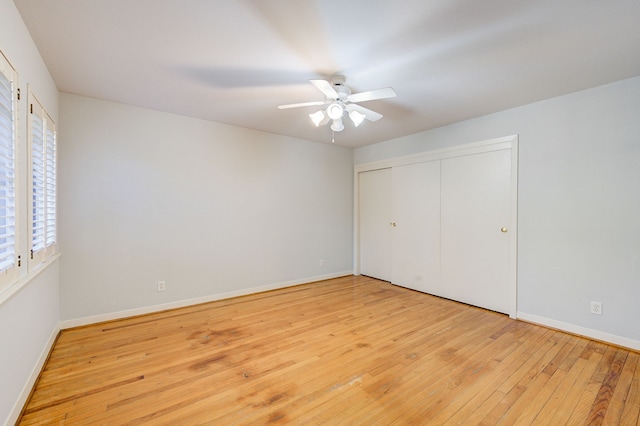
x=36 y=231
x=8 y=102
x=42 y=142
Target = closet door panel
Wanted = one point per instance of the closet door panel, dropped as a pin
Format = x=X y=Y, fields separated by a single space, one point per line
x=475 y=237
x=374 y=222
x=415 y=242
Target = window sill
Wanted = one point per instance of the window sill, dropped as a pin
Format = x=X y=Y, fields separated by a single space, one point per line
x=14 y=288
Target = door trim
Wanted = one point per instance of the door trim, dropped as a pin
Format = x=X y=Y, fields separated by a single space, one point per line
x=506 y=142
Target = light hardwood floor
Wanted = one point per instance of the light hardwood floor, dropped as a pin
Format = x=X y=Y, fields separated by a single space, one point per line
x=349 y=351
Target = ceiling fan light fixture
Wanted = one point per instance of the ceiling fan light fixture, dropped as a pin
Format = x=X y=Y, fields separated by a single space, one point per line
x=334 y=111
x=357 y=117
x=338 y=99
x=317 y=117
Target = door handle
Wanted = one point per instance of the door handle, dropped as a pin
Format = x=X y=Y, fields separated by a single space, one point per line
x=503 y=229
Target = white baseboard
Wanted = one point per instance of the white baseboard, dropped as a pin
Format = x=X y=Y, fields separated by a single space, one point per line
x=582 y=331
x=188 y=302
x=33 y=377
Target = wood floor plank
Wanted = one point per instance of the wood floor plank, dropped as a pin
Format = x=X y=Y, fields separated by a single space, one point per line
x=466 y=405
x=518 y=382
x=565 y=385
x=351 y=350
x=609 y=386
x=539 y=398
x=518 y=400
x=623 y=391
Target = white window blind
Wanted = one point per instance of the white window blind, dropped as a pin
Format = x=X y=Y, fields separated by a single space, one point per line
x=50 y=181
x=42 y=140
x=8 y=102
x=37 y=183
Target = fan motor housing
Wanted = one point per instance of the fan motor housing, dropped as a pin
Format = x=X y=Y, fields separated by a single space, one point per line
x=337 y=81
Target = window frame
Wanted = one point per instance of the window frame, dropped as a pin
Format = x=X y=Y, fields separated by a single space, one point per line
x=10 y=275
x=42 y=192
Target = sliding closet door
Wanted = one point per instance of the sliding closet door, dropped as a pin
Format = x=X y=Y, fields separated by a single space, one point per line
x=375 y=223
x=415 y=240
x=476 y=220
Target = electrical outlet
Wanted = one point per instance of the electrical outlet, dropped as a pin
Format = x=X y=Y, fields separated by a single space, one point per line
x=162 y=286
x=322 y=263
x=596 y=308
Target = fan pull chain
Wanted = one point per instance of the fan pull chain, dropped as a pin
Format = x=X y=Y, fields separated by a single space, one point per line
x=333 y=136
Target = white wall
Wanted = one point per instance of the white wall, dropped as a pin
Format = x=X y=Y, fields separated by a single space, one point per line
x=578 y=204
x=28 y=327
x=29 y=316
x=208 y=208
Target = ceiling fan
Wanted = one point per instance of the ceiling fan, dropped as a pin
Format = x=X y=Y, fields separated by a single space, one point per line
x=339 y=101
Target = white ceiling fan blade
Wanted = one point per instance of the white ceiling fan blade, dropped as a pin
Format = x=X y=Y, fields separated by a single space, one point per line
x=371 y=115
x=371 y=95
x=303 y=104
x=326 y=88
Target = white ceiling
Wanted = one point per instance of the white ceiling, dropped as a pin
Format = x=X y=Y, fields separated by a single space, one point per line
x=234 y=61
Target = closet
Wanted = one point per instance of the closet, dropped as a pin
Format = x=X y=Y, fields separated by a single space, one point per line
x=443 y=223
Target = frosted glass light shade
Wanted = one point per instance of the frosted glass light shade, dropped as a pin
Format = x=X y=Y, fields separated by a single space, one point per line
x=337 y=125
x=357 y=117
x=334 y=111
x=317 y=117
